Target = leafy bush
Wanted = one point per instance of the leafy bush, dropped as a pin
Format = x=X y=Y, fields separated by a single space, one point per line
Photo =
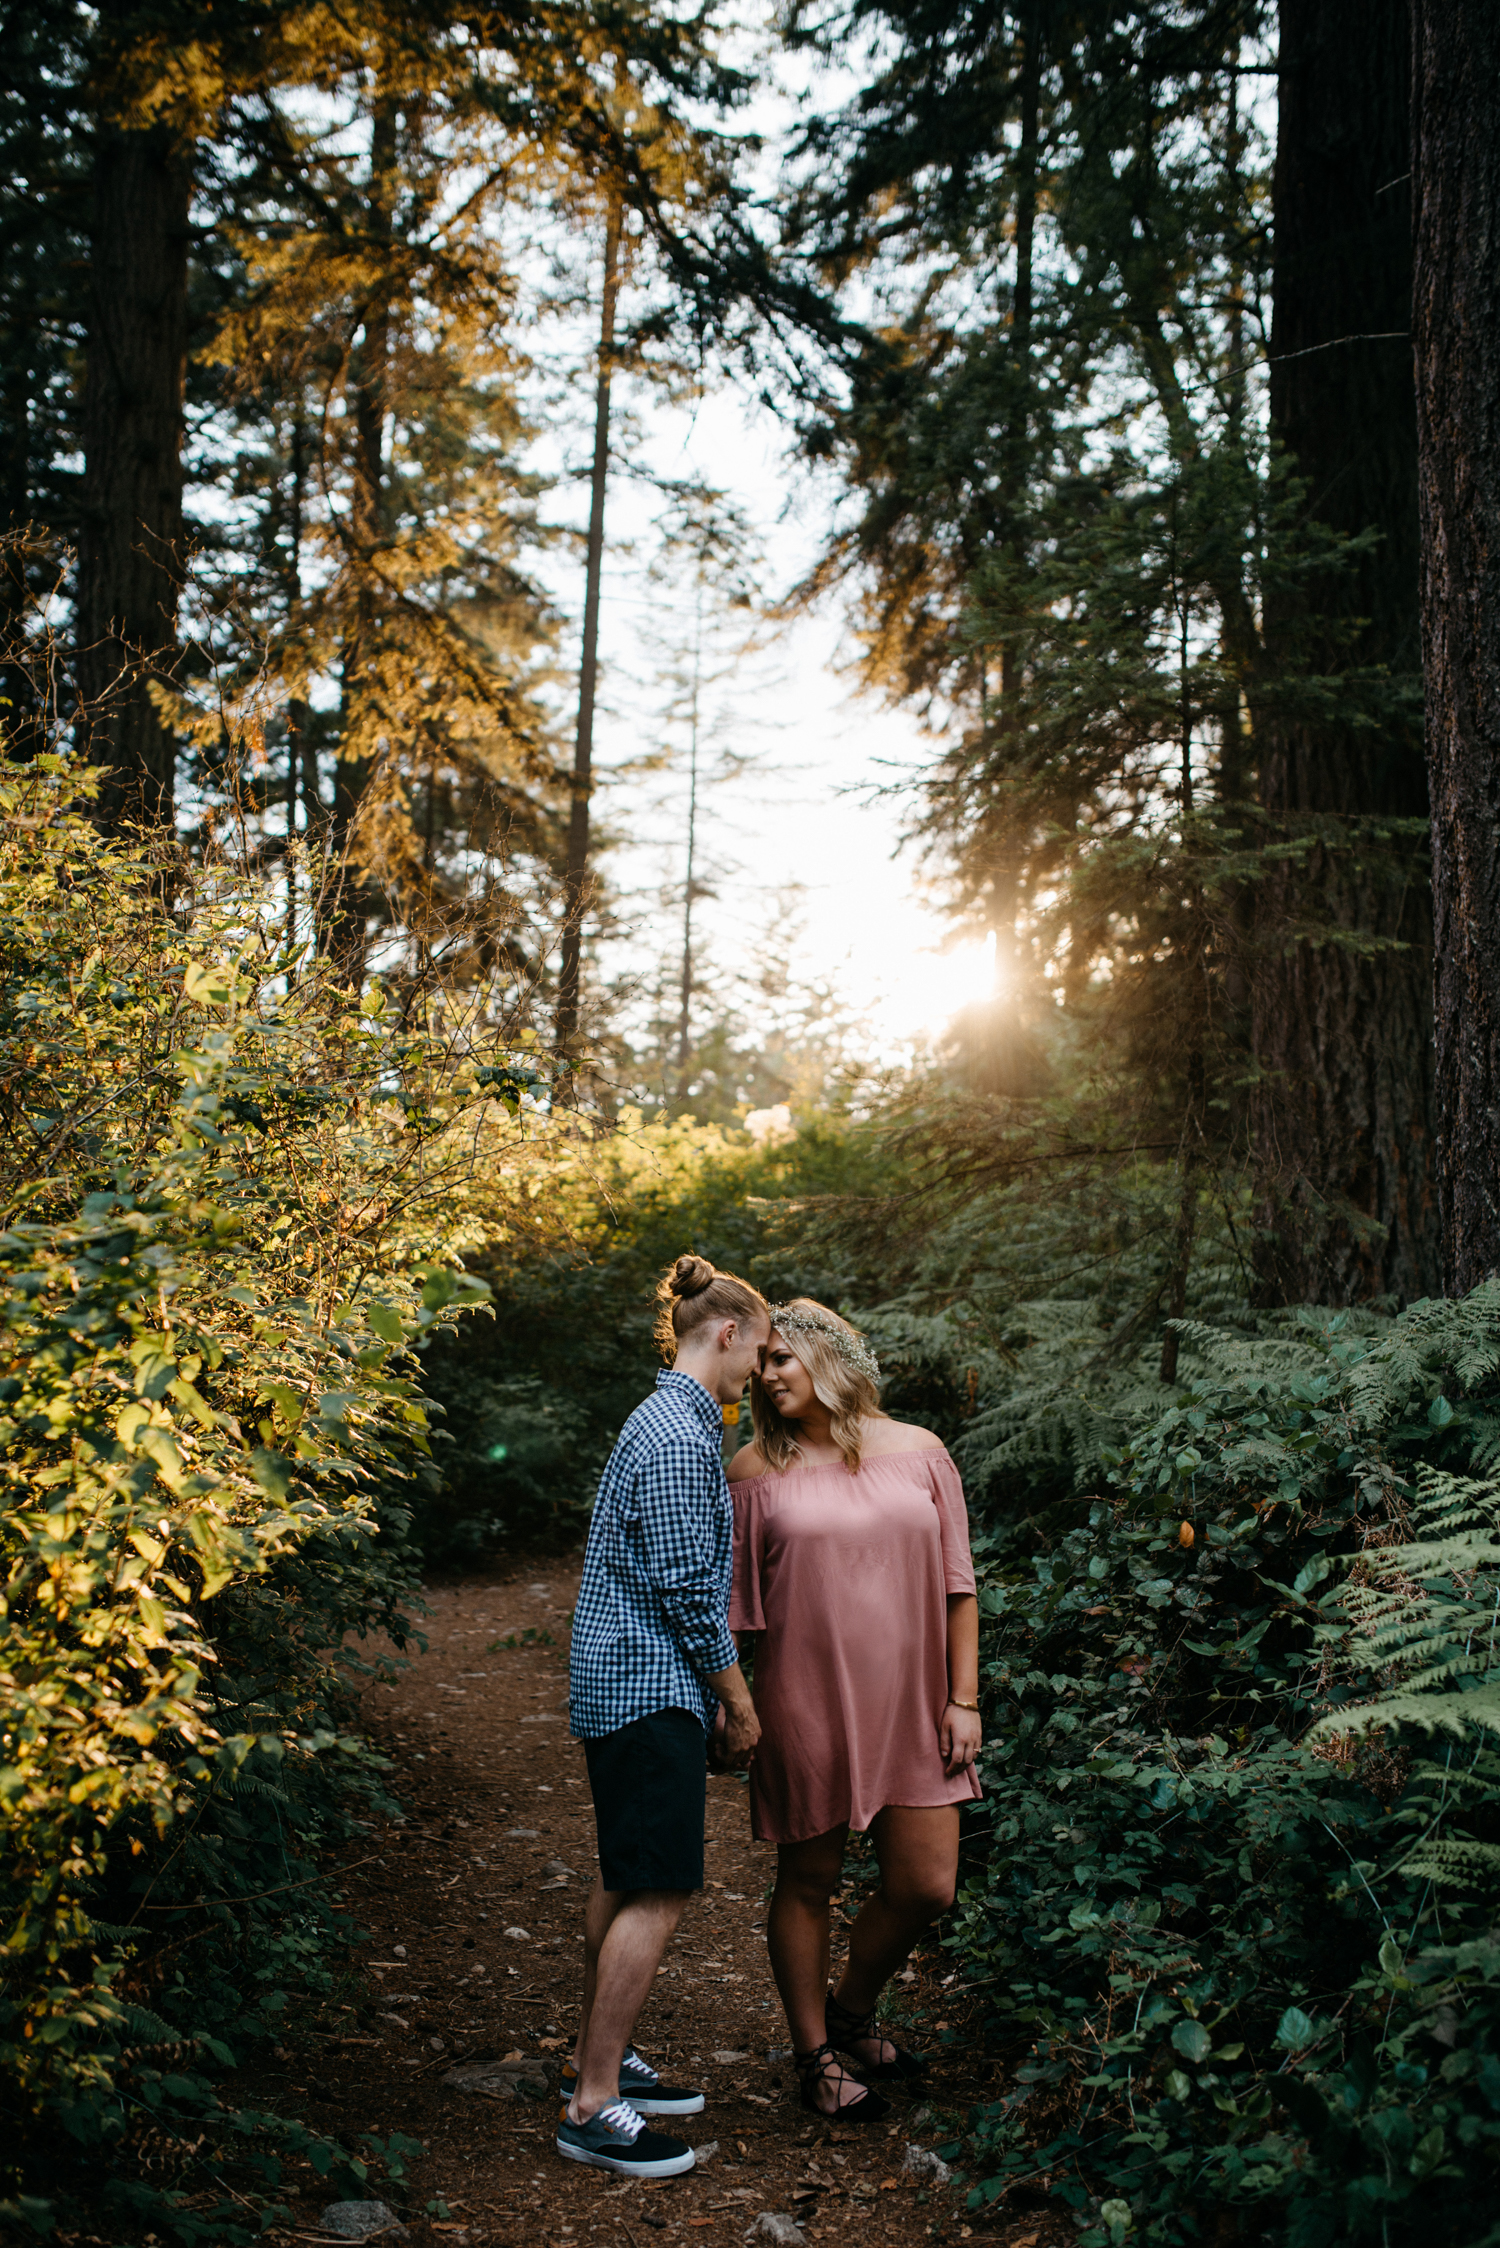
x=228 y=1195
x=535 y=1397
x=1207 y=1907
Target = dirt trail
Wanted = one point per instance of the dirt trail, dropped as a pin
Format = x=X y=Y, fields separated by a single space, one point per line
x=474 y=1906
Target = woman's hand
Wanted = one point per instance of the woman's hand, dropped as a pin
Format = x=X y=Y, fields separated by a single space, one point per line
x=959 y=1736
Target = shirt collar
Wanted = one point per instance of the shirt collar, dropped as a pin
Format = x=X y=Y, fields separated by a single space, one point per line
x=693 y=1393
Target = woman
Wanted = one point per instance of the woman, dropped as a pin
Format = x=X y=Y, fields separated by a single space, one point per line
x=852 y=1576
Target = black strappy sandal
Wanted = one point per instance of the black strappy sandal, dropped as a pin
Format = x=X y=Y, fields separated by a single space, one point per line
x=810 y=2067
x=846 y=2030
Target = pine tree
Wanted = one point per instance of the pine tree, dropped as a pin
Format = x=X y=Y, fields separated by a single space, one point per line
x=44 y=229
x=1077 y=545
x=1456 y=157
x=1342 y=1019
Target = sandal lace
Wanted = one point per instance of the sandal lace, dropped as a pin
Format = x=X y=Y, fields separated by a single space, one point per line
x=815 y=2065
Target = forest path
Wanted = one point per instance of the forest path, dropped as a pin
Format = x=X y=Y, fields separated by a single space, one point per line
x=499 y=1839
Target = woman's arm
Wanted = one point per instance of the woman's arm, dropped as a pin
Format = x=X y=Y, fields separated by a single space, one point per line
x=960 y=1733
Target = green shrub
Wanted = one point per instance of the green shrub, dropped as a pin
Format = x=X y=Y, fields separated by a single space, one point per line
x=229 y=1197
x=1206 y=1908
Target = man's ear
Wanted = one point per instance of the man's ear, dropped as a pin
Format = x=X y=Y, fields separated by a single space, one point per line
x=727 y=1333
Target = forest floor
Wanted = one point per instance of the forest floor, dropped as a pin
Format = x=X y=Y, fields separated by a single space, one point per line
x=473 y=1905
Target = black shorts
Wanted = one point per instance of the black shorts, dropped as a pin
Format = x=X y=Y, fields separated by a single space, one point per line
x=650 y=1783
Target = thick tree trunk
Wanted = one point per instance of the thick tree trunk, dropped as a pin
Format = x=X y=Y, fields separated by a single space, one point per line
x=1344 y=1115
x=1456 y=325
x=131 y=537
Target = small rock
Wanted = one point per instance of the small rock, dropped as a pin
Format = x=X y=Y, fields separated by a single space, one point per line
x=437 y=2044
x=556 y=1866
x=918 y=2117
x=541 y=1591
x=542 y=1717
x=922 y=2163
x=398 y=1951
x=517 y=1935
x=702 y=2156
x=399 y=2020
x=727 y=2059
x=521 y=1834
x=363 y=2220
x=773 y=2224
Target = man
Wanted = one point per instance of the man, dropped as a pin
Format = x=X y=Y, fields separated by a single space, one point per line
x=652 y=1664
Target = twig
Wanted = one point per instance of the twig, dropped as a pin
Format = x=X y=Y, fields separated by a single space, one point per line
x=207 y=1904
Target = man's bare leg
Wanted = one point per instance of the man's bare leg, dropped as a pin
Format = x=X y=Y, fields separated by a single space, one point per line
x=625 y=1932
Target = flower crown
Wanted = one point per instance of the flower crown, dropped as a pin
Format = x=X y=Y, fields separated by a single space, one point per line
x=852 y=1348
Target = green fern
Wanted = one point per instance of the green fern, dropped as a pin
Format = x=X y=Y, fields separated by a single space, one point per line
x=1420 y=1621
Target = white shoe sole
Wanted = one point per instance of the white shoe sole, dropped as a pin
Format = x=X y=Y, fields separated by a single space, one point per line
x=646 y=2103
x=668 y=2166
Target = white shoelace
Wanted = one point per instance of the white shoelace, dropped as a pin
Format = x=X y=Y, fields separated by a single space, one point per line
x=639 y=2067
x=623 y=2119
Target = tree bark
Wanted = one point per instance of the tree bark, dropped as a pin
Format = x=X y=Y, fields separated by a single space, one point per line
x=131 y=547
x=343 y=921
x=1456 y=328
x=576 y=872
x=1344 y=1115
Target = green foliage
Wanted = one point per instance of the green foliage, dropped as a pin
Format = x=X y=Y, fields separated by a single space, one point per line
x=1206 y=1908
x=535 y=1398
x=227 y=1199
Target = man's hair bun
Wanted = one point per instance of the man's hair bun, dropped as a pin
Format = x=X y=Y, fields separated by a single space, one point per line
x=691 y=1275
x=691 y=1292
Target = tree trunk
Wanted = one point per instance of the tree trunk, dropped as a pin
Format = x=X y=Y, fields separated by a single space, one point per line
x=1344 y=1113
x=1456 y=325
x=576 y=873
x=131 y=547
x=343 y=931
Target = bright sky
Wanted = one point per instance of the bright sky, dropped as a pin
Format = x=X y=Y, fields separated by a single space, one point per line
x=809 y=815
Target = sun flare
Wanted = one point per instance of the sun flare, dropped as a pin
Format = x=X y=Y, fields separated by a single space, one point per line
x=932 y=987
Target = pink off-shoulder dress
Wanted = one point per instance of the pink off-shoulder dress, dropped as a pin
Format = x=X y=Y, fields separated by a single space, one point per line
x=846 y=1577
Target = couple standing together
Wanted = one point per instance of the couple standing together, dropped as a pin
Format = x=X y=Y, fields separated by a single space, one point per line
x=838 y=1547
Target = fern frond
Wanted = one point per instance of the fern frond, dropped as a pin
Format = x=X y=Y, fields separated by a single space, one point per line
x=1455 y=1862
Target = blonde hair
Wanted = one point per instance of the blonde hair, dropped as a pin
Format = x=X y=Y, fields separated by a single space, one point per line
x=848 y=1392
x=690 y=1293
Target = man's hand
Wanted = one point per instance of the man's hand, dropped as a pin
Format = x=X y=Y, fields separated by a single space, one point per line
x=736 y=1728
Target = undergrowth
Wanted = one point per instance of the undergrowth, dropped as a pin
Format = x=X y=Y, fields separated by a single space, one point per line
x=1234 y=1911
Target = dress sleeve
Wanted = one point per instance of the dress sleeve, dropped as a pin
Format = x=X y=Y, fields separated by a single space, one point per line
x=953 y=1524
x=745 y=1610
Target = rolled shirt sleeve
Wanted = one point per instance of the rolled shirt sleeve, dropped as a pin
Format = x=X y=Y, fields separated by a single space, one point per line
x=679 y=1553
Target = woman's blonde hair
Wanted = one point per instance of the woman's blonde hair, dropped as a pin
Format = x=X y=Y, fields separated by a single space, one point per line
x=815 y=1335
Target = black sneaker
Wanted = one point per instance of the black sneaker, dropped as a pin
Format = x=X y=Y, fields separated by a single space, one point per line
x=617 y=2139
x=643 y=2088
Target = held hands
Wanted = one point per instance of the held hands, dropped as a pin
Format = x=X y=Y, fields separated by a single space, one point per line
x=959 y=1736
x=735 y=1733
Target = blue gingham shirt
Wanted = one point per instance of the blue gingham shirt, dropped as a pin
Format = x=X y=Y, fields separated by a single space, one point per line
x=650 y=1624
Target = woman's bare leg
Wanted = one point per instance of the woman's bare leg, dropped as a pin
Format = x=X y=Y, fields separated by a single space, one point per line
x=797 y=1937
x=917 y=1851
